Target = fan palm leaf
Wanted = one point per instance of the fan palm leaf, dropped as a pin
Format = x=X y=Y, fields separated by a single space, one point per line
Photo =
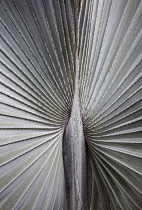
x=71 y=104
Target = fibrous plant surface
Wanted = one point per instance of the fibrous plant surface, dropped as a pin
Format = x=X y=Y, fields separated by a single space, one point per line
x=71 y=104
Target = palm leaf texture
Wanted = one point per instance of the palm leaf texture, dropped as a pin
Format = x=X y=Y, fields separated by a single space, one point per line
x=71 y=104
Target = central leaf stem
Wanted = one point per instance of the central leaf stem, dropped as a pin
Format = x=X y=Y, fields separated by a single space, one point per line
x=75 y=156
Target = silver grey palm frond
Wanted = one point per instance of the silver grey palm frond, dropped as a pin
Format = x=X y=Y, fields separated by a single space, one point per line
x=110 y=95
x=71 y=104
